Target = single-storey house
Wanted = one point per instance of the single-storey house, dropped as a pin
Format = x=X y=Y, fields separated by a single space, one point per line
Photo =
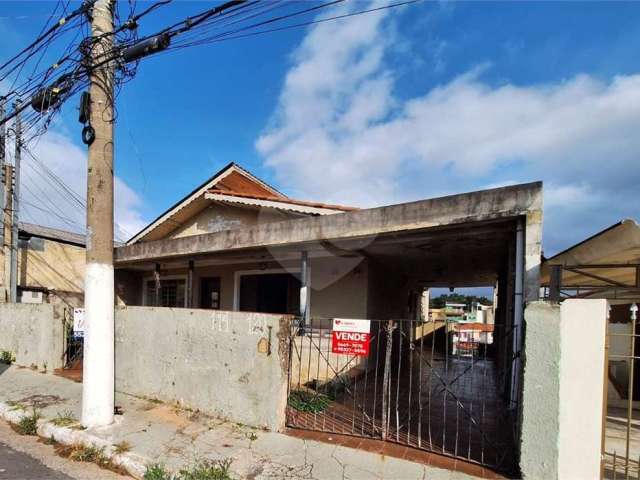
x=51 y=265
x=237 y=243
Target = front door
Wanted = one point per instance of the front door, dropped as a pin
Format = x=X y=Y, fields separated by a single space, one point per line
x=210 y=293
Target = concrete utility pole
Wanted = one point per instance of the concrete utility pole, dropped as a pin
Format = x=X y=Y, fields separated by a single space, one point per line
x=3 y=206
x=3 y=137
x=15 y=204
x=98 y=377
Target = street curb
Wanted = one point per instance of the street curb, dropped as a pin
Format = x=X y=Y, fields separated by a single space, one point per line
x=134 y=464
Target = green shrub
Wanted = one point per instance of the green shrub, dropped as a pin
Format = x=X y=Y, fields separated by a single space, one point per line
x=305 y=401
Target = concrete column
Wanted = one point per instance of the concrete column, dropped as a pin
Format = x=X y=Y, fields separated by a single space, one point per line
x=189 y=292
x=563 y=384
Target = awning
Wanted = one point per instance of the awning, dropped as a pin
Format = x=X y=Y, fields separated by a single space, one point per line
x=610 y=258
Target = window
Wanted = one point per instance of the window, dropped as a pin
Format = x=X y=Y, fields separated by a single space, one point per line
x=172 y=293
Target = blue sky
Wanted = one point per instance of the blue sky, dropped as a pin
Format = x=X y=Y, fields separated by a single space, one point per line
x=420 y=101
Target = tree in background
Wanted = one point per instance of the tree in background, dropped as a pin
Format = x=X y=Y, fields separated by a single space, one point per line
x=468 y=300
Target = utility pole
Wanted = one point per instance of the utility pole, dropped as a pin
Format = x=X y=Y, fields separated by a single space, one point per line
x=15 y=206
x=3 y=136
x=98 y=377
x=3 y=205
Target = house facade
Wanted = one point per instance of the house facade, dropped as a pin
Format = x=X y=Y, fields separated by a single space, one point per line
x=268 y=281
x=51 y=264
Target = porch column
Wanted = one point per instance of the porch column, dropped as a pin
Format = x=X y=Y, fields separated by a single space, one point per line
x=189 y=292
x=305 y=290
x=518 y=314
x=156 y=276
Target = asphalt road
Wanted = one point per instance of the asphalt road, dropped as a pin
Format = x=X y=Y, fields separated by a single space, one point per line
x=16 y=465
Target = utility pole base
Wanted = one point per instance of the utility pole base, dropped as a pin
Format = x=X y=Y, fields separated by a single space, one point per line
x=98 y=386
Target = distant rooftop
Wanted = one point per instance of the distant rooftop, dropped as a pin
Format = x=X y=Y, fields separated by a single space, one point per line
x=52 y=234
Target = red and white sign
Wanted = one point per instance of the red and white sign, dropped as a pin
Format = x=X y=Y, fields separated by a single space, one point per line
x=350 y=336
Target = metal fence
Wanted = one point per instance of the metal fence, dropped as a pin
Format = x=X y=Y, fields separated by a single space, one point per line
x=621 y=432
x=436 y=385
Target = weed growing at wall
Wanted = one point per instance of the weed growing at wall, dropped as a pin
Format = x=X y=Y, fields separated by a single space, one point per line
x=7 y=357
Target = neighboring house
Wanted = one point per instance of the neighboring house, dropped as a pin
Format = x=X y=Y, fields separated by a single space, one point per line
x=606 y=265
x=51 y=266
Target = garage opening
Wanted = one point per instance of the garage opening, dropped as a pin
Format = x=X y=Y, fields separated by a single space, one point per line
x=442 y=380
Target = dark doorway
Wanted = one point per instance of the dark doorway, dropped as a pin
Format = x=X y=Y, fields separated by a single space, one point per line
x=210 y=293
x=270 y=293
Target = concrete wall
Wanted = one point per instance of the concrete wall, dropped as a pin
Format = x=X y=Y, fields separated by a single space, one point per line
x=563 y=390
x=213 y=361
x=32 y=334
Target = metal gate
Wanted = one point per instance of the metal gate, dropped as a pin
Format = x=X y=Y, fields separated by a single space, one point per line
x=621 y=419
x=73 y=345
x=436 y=385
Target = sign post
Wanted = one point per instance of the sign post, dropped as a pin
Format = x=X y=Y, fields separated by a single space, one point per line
x=350 y=336
x=78 y=322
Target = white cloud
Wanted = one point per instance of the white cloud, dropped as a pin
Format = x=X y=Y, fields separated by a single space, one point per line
x=46 y=203
x=341 y=134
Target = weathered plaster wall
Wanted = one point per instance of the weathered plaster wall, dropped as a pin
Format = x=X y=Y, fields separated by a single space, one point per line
x=213 y=361
x=583 y=330
x=563 y=390
x=507 y=202
x=216 y=218
x=32 y=334
x=541 y=394
x=52 y=265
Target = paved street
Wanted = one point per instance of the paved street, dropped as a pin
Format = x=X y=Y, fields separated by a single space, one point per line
x=18 y=465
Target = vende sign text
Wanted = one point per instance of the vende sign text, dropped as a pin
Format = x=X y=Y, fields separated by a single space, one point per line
x=350 y=337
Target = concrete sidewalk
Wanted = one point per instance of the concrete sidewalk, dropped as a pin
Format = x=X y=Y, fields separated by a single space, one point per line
x=161 y=433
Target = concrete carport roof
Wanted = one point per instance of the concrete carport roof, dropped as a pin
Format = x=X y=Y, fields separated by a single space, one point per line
x=455 y=240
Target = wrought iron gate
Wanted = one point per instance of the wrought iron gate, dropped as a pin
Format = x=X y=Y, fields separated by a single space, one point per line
x=436 y=386
x=73 y=346
x=621 y=432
